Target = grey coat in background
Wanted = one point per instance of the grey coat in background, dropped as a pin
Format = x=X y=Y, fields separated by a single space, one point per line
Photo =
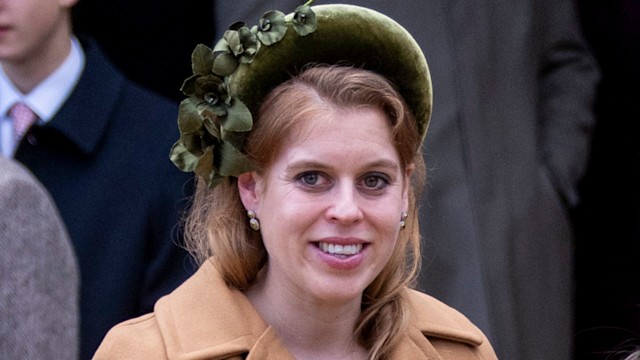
x=38 y=272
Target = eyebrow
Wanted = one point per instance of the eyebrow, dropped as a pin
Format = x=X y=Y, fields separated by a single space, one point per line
x=317 y=165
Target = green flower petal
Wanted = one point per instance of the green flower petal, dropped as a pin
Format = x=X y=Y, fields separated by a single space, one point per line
x=249 y=53
x=212 y=111
x=214 y=181
x=201 y=60
x=212 y=128
x=181 y=158
x=189 y=120
x=272 y=27
x=234 y=41
x=232 y=161
x=304 y=20
x=189 y=85
x=238 y=117
x=249 y=45
x=224 y=64
x=194 y=143
x=204 y=166
x=236 y=139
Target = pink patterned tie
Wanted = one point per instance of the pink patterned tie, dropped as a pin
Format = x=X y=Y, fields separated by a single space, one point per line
x=22 y=118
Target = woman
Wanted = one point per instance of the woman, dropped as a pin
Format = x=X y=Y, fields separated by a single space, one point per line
x=305 y=219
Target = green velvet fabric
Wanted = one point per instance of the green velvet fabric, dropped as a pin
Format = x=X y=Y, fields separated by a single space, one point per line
x=346 y=34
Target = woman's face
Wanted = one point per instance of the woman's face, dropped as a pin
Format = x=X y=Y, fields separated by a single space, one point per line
x=330 y=206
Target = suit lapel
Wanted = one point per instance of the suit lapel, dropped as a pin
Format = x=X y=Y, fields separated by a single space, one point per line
x=86 y=127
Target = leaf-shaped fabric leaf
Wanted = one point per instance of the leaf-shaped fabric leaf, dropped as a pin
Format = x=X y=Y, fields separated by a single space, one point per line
x=202 y=60
x=189 y=85
x=207 y=111
x=232 y=161
x=249 y=53
x=236 y=139
x=193 y=143
x=214 y=181
x=238 y=117
x=205 y=166
x=189 y=119
x=182 y=158
x=224 y=64
x=234 y=42
x=212 y=128
x=248 y=47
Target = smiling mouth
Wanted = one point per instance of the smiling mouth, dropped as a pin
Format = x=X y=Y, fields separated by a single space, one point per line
x=335 y=249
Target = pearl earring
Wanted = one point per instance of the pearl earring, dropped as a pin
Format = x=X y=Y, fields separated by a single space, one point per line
x=403 y=223
x=253 y=221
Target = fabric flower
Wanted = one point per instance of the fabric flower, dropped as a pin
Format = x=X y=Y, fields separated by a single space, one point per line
x=238 y=45
x=211 y=124
x=304 y=20
x=271 y=27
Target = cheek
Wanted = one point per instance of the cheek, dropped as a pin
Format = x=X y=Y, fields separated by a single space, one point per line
x=386 y=214
x=281 y=215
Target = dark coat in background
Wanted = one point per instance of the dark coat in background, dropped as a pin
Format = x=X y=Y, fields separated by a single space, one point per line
x=39 y=279
x=608 y=220
x=507 y=144
x=149 y=41
x=104 y=159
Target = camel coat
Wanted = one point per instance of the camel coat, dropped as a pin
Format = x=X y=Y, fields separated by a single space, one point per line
x=204 y=319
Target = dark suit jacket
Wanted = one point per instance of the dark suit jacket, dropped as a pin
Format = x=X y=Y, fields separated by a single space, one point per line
x=608 y=220
x=104 y=159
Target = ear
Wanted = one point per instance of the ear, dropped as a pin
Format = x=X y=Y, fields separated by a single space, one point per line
x=249 y=189
x=408 y=171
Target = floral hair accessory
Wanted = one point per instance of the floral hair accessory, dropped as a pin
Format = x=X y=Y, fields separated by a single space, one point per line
x=212 y=123
x=230 y=81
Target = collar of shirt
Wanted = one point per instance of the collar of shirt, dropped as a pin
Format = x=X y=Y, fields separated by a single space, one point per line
x=46 y=98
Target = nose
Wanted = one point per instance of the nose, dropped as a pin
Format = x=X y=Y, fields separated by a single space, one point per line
x=345 y=207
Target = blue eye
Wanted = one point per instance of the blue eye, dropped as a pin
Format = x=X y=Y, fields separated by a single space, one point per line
x=309 y=178
x=313 y=180
x=375 y=181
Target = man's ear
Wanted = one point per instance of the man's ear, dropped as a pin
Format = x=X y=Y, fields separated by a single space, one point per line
x=249 y=190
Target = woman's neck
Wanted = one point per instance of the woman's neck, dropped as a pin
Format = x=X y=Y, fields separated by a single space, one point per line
x=310 y=329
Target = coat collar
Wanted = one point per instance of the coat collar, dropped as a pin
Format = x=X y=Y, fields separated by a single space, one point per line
x=436 y=319
x=97 y=92
x=204 y=318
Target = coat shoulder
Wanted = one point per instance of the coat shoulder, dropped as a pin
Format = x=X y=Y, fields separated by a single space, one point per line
x=446 y=328
x=138 y=338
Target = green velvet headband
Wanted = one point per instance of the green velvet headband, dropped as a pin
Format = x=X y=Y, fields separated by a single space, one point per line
x=230 y=81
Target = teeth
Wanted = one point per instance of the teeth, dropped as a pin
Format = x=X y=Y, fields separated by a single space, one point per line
x=340 y=249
